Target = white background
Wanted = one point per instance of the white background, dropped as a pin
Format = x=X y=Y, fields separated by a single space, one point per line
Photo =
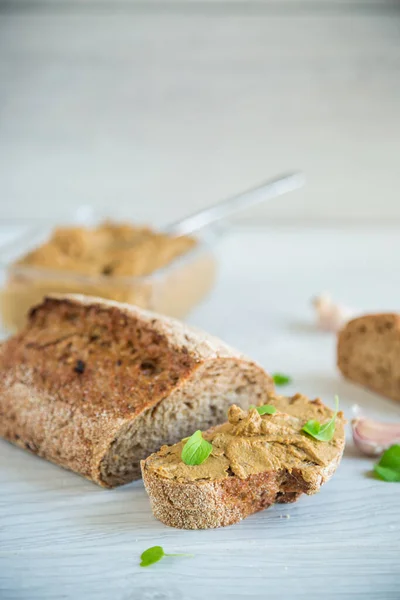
x=154 y=109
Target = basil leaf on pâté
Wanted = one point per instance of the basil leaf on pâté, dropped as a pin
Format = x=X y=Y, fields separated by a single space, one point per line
x=280 y=379
x=325 y=432
x=388 y=468
x=196 y=449
x=266 y=409
x=154 y=554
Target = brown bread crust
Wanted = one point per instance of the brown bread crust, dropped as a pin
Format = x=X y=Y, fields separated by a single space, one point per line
x=206 y=505
x=368 y=353
x=85 y=373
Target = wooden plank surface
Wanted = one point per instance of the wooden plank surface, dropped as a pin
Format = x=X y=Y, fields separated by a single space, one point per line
x=62 y=537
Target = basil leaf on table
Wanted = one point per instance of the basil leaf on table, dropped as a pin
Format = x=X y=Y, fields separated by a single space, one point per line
x=154 y=554
x=388 y=468
x=280 y=379
x=151 y=556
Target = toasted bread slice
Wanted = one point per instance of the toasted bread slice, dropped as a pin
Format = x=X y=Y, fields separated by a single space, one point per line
x=368 y=353
x=255 y=462
x=95 y=385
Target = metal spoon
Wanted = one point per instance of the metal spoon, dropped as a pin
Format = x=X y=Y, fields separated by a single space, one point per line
x=266 y=191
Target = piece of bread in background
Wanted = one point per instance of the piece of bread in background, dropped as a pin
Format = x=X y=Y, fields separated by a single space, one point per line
x=255 y=462
x=95 y=386
x=368 y=353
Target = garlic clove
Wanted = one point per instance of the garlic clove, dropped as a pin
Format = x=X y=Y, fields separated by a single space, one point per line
x=374 y=437
x=329 y=315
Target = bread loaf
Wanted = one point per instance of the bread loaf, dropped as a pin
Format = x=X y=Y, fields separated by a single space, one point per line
x=96 y=385
x=368 y=353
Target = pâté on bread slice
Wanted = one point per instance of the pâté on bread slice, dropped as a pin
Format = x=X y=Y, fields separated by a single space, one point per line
x=256 y=461
x=95 y=386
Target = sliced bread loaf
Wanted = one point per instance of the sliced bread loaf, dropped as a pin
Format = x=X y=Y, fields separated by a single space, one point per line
x=368 y=353
x=96 y=385
x=255 y=462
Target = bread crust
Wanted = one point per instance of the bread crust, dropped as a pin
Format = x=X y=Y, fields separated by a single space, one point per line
x=49 y=407
x=368 y=353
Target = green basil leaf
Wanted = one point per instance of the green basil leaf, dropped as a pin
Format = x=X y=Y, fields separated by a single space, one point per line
x=387 y=474
x=312 y=427
x=154 y=554
x=266 y=409
x=388 y=468
x=325 y=432
x=391 y=458
x=280 y=379
x=151 y=556
x=196 y=449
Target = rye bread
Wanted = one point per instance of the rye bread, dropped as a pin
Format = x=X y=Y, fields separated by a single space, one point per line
x=205 y=502
x=95 y=386
x=368 y=353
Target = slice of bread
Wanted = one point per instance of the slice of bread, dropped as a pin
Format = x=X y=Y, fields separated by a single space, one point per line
x=368 y=353
x=256 y=461
x=95 y=385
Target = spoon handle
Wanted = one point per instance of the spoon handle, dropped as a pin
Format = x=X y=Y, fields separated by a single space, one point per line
x=266 y=191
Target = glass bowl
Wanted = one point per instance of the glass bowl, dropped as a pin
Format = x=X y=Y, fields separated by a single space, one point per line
x=172 y=290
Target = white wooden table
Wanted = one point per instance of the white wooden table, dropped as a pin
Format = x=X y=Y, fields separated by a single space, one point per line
x=63 y=537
